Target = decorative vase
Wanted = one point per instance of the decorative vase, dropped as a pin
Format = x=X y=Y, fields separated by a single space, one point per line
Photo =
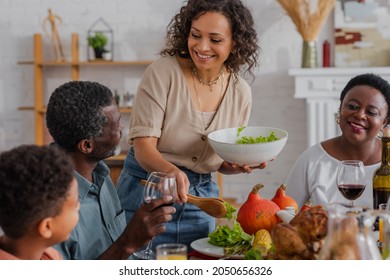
x=107 y=55
x=309 y=54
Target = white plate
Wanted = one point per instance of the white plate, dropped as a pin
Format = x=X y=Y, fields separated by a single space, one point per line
x=203 y=246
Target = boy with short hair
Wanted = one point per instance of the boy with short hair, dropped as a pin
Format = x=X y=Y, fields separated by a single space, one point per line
x=38 y=202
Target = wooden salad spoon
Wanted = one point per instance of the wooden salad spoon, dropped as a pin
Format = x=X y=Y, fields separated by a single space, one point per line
x=213 y=206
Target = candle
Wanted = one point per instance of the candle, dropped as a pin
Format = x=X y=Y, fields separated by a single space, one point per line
x=380 y=229
x=326 y=54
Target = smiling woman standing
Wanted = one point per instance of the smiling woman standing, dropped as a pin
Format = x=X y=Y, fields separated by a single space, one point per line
x=193 y=89
x=363 y=113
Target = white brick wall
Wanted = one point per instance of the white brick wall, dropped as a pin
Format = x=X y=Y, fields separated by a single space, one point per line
x=139 y=29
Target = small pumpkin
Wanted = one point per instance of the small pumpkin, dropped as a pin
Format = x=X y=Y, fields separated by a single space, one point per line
x=283 y=200
x=257 y=213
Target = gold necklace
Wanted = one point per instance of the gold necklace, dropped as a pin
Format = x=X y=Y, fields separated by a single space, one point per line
x=205 y=125
x=202 y=81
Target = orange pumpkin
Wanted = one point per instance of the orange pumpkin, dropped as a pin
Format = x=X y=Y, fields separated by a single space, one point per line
x=257 y=213
x=283 y=200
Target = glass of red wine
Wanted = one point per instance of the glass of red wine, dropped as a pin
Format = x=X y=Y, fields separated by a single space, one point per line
x=158 y=185
x=351 y=180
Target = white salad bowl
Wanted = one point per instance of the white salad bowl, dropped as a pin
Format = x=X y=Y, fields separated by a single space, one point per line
x=223 y=142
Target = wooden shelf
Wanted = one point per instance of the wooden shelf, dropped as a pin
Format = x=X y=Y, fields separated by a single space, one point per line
x=26 y=108
x=30 y=62
x=87 y=63
x=115 y=63
x=74 y=64
x=115 y=163
x=46 y=63
x=124 y=110
x=120 y=157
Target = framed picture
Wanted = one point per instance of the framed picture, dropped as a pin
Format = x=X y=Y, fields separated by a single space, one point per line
x=362 y=33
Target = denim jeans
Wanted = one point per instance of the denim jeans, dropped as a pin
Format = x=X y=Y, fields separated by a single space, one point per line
x=189 y=223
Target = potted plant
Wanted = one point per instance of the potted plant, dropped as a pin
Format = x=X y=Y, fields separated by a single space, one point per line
x=98 y=42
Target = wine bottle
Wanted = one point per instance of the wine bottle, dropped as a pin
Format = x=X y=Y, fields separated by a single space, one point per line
x=381 y=177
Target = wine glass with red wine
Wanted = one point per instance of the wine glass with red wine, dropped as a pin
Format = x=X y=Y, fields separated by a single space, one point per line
x=158 y=185
x=351 y=180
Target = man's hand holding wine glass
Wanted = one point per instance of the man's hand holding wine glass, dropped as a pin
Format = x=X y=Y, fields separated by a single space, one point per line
x=159 y=195
x=149 y=221
x=158 y=186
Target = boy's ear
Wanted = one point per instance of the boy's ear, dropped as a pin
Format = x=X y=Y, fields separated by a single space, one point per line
x=45 y=228
x=86 y=146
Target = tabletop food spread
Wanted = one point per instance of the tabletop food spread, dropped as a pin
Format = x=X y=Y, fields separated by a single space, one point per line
x=276 y=229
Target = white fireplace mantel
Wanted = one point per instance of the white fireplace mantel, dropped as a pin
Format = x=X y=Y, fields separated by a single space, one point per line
x=321 y=87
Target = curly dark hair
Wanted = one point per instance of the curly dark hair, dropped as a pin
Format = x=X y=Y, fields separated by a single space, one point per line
x=373 y=81
x=74 y=112
x=246 y=48
x=34 y=183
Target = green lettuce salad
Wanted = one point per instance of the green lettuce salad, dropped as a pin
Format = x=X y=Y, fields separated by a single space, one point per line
x=230 y=210
x=225 y=236
x=233 y=239
x=254 y=140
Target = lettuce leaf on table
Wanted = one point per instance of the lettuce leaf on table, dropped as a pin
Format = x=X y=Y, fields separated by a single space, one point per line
x=234 y=240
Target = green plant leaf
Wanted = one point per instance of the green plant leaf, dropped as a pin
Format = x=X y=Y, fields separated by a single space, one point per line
x=98 y=41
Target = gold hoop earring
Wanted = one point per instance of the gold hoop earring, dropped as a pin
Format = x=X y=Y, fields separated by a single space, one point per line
x=380 y=134
x=338 y=119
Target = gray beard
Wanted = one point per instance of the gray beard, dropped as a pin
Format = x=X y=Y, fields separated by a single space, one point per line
x=117 y=150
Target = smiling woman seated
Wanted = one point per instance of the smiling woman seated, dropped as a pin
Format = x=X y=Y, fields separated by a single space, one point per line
x=363 y=113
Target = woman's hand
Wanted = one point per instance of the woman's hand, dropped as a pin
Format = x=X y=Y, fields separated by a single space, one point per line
x=235 y=168
x=183 y=185
x=150 y=159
